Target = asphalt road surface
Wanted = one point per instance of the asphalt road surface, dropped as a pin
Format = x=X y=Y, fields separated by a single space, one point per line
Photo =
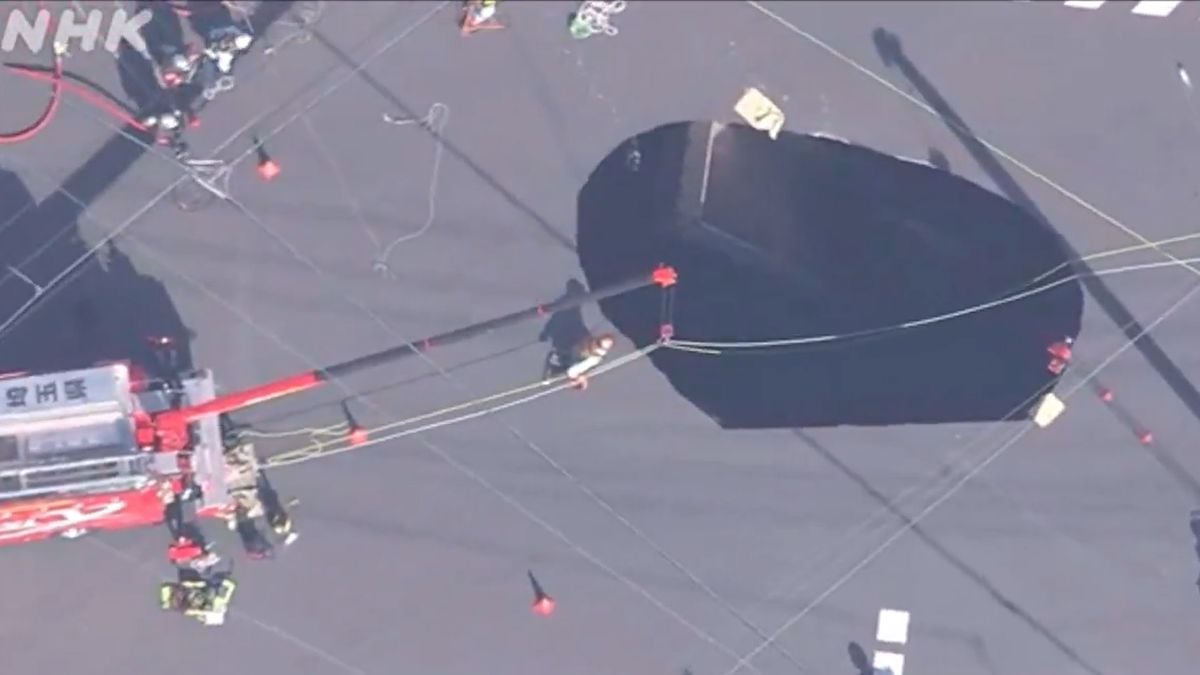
x=668 y=544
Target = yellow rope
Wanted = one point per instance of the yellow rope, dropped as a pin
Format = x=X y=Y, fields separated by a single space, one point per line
x=318 y=448
x=331 y=430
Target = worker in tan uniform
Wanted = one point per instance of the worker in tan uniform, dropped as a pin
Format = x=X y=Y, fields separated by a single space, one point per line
x=254 y=497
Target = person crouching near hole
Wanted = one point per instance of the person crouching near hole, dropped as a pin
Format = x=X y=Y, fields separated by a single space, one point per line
x=1060 y=355
x=579 y=361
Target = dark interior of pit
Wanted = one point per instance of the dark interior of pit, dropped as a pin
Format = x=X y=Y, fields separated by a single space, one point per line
x=805 y=236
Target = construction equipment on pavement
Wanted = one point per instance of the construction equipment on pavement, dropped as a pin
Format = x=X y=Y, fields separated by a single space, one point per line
x=109 y=447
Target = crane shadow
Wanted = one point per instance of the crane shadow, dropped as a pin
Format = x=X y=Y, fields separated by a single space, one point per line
x=103 y=311
x=104 y=307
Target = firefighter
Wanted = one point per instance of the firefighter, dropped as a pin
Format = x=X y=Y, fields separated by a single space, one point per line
x=199 y=591
x=256 y=545
x=203 y=596
x=188 y=548
x=1060 y=355
x=169 y=116
x=267 y=504
x=254 y=497
x=223 y=45
x=277 y=516
x=191 y=553
x=587 y=354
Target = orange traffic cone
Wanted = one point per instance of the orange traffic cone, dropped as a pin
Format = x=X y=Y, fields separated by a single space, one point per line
x=543 y=604
x=267 y=168
x=357 y=435
x=479 y=15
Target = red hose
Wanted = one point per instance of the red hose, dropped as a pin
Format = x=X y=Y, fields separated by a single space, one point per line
x=56 y=82
x=81 y=91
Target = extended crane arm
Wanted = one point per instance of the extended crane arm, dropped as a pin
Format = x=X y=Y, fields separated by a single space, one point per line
x=172 y=422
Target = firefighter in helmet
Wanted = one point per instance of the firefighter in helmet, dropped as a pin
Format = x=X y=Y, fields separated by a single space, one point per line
x=199 y=591
x=1060 y=355
x=586 y=355
x=189 y=548
x=203 y=596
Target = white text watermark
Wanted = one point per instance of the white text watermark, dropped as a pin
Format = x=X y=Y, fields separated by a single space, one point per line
x=69 y=29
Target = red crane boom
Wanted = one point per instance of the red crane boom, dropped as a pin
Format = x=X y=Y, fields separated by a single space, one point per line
x=170 y=426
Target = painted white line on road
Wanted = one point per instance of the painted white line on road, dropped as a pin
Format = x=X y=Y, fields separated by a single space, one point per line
x=888 y=663
x=1156 y=7
x=1085 y=4
x=892 y=627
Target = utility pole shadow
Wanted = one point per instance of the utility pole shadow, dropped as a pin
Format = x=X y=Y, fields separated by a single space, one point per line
x=892 y=54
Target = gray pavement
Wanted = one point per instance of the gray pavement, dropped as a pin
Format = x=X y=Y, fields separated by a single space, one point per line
x=667 y=543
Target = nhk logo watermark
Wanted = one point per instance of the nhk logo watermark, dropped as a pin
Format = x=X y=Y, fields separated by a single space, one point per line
x=71 y=28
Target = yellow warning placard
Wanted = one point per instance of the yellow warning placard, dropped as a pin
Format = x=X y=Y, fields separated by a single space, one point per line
x=760 y=112
x=1048 y=411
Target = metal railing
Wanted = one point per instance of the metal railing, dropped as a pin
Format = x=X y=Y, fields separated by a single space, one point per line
x=90 y=475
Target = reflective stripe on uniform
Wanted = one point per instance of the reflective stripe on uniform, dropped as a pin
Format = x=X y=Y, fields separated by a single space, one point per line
x=584 y=366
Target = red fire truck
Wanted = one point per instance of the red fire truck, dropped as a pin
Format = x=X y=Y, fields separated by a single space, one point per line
x=106 y=447
x=71 y=459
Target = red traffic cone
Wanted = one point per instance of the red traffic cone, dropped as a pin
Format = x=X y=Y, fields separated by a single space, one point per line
x=665 y=276
x=357 y=434
x=267 y=168
x=543 y=604
x=478 y=16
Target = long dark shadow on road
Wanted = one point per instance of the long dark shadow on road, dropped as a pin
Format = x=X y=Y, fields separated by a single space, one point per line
x=945 y=554
x=892 y=53
x=115 y=157
x=368 y=79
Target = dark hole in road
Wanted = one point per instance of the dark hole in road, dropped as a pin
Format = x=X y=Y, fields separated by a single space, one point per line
x=807 y=236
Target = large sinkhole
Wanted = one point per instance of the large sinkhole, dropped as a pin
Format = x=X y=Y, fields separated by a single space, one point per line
x=805 y=236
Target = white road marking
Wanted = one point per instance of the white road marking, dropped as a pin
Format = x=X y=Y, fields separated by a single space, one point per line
x=888 y=663
x=892 y=626
x=1156 y=7
x=713 y=129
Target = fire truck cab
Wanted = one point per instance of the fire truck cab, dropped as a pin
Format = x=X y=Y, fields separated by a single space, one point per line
x=72 y=458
